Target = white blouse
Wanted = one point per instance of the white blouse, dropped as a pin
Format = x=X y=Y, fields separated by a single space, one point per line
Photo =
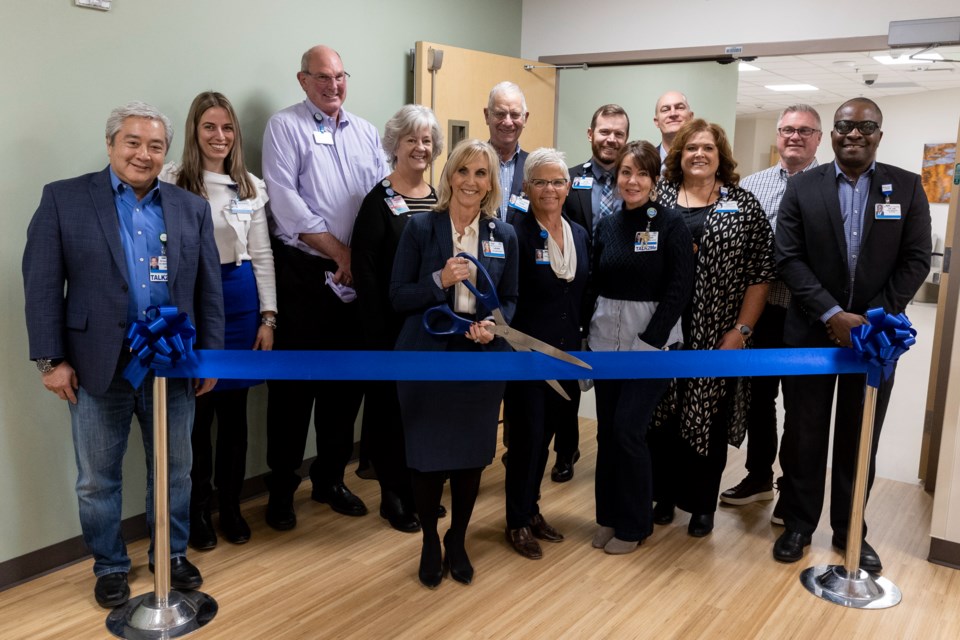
x=238 y=240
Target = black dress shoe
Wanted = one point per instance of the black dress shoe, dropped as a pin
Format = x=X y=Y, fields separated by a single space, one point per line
x=202 y=534
x=232 y=525
x=441 y=512
x=280 y=514
x=111 y=590
x=431 y=564
x=869 y=559
x=523 y=542
x=540 y=528
x=400 y=518
x=456 y=560
x=701 y=524
x=183 y=575
x=663 y=512
x=563 y=468
x=340 y=500
x=789 y=546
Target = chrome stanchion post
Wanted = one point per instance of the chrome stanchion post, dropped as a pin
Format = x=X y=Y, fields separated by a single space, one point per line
x=163 y=613
x=848 y=585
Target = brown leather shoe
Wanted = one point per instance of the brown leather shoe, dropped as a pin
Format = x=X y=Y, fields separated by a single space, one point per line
x=523 y=543
x=541 y=529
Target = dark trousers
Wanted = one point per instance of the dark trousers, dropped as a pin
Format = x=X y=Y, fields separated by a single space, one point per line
x=230 y=409
x=762 y=412
x=624 y=481
x=311 y=317
x=535 y=412
x=566 y=435
x=383 y=432
x=803 y=451
x=683 y=477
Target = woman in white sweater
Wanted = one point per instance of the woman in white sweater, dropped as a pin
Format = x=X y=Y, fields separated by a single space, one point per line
x=213 y=168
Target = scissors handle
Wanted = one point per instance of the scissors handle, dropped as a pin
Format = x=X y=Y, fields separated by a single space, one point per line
x=489 y=299
x=458 y=325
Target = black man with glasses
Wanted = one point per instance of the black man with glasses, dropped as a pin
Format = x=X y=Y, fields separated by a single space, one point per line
x=798 y=136
x=319 y=162
x=851 y=235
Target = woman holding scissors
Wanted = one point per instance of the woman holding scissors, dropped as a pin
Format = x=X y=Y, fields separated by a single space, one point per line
x=553 y=276
x=450 y=428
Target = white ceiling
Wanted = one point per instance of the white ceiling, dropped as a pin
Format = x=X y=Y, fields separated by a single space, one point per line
x=839 y=77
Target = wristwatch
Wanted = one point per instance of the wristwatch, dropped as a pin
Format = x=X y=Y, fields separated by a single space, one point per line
x=745 y=330
x=46 y=365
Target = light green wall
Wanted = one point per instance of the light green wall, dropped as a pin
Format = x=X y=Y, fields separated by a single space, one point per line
x=711 y=89
x=63 y=69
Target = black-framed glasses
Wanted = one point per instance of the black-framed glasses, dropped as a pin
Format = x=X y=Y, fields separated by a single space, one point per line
x=323 y=78
x=866 y=127
x=803 y=132
x=538 y=183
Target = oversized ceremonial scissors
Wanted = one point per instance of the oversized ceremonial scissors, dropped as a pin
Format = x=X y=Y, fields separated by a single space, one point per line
x=516 y=339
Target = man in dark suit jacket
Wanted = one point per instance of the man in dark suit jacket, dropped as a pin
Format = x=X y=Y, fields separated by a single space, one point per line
x=608 y=132
x=852 y=235
x=120 y=242
x=506 y=114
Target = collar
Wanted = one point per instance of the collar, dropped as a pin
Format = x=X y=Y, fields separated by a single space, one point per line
x=328 y=121
x=839 y=172
x=513 y=158
x=120 y=187
x=786 y=174
x=598 y=171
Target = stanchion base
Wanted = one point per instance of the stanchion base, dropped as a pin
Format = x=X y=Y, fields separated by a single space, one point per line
x=858 y=590
x=144 y=618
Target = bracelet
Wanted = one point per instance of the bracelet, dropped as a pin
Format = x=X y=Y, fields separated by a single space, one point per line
x=269 y=321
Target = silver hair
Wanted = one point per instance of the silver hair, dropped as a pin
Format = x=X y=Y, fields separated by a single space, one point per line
x=137 y=109
x=507 y=88
x=542 y=157
x=800 y=108
x=410 y=119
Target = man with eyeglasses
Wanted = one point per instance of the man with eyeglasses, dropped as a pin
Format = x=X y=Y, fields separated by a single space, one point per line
x=672 y=112
x=506 y=114
x=319 y=162
x=593 y=194
x=798 y=136
x=851 y=235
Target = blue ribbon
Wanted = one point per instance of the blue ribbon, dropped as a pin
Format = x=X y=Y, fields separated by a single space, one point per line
x=163 y=341
x=881 y=342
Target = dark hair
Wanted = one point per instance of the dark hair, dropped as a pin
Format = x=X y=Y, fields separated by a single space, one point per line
x=644 y=155
x=608 y=110
x=191 y=165
x=725 y=172
x=867 y=101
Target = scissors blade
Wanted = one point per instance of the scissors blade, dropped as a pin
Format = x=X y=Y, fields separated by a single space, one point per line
x=556 y=387
x=520 y=340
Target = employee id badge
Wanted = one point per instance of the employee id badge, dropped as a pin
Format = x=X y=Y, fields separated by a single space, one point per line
x=493 y=249
x=543 y=256
x=519 y=203
x=158 y=268
x=646 y=241
x=322 y=137
x=728 y=206
x=398 y=206
x=583 y=182
x=887 y=211
x=242 y=209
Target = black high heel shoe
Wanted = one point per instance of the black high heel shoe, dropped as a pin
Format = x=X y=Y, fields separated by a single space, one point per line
x=456 y=561
x=431 y=566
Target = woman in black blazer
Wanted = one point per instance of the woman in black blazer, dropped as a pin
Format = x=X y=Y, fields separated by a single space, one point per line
x=554 y=265
x=450 y=428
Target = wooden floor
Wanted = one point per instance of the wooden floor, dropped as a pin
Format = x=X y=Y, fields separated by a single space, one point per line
x=340 y=577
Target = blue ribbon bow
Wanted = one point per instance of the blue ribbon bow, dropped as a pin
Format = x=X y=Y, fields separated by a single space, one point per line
x=881 y=342
x=161 y=341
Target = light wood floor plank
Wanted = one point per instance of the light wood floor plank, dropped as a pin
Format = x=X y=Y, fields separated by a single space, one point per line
x=339 y=577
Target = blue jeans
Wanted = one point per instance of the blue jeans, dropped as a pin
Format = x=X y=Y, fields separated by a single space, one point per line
x=101 y=428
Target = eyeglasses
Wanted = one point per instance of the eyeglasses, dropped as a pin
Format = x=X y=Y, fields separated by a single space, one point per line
x=559 y=183
x=500 y=116
x=323 y=78
x=803 y=132
x=866 y=127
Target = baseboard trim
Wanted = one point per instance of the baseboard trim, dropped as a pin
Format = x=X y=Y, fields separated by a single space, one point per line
x=63 y=554
x=944 y=552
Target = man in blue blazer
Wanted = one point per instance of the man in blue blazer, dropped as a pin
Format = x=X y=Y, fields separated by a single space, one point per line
x=506 y=115
x=101 y=249
x=852 y=235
